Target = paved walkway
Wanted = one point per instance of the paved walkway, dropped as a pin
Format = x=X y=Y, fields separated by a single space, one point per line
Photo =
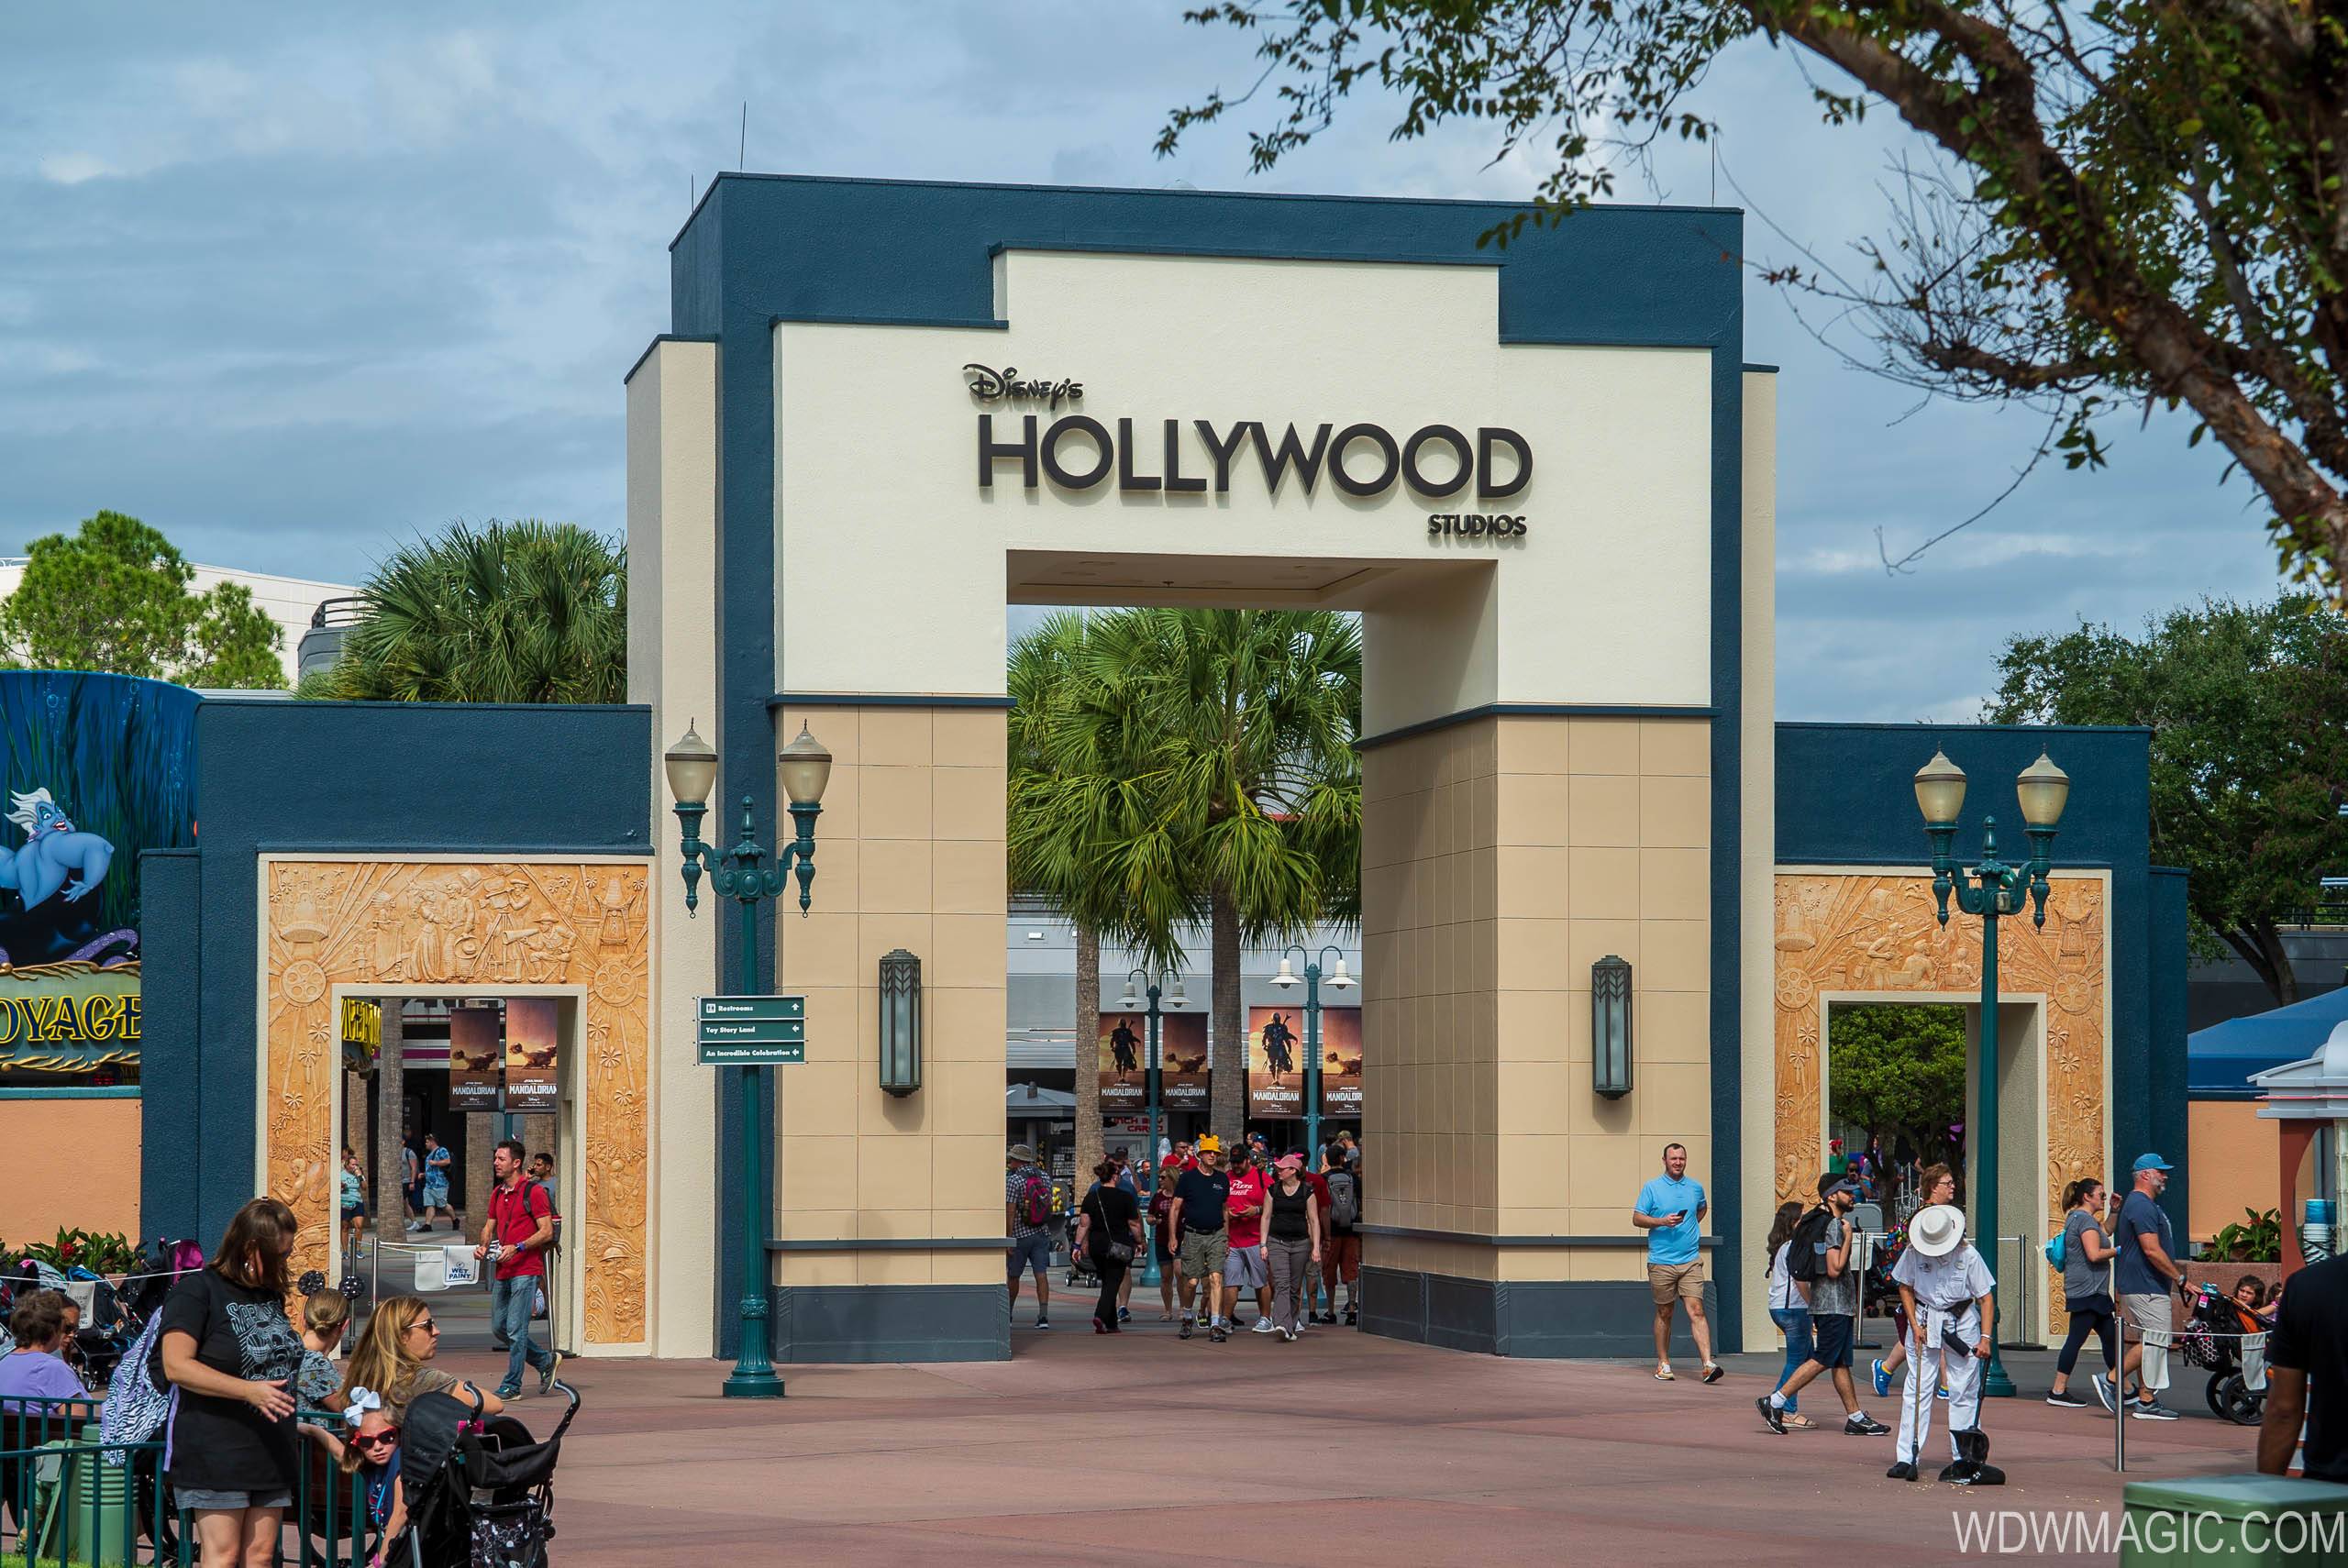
x=1342 y=1447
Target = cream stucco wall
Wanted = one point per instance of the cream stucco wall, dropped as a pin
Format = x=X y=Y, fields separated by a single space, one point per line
x=1757 y=871
x=671 y=665
x=876 y=462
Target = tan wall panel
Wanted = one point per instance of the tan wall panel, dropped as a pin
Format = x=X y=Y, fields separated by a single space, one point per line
x=2236 y=1163
x=104 y=1192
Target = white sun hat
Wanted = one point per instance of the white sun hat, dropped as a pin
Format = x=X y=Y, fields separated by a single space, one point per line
x=1938 y=1230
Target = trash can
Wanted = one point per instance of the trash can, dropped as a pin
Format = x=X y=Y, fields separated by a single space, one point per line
x=101 y=1526
x=2240 y=1521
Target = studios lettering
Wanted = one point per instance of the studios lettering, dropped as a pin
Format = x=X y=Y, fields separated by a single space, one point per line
x=1200 y=457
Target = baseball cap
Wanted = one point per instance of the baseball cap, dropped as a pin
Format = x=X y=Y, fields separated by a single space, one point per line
x=1854 y=1189
x=2153 y=1163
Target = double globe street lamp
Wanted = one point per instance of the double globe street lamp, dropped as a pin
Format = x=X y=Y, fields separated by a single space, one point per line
x=1338 y=980
x=1991 y=889
x=742 y=874
x=1170 y=993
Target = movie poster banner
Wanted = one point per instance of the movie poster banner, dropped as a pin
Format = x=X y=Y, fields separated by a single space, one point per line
x=475 y=1056
x=1341 y=1062
x=1275 y=1062
x=1125 y=1062
x=1182 y=1055
x=530 y=1054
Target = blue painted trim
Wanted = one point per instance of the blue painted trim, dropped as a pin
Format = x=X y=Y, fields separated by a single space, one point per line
x=821 y=318
x=869 y=700
x=762 y=246
x=65 y=1091
x=895 y=1244
x=1530 y=710
x=1931 y=730
x=658 y=341
x=1478 y=1238
x=1727 y=1021
x=1752 y=369
x=1582 y=340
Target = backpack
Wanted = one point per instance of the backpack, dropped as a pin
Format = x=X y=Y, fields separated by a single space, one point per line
x=1034 y=1204
x=1344 y=1199
x=1805 y=1258
x=2057 y=1245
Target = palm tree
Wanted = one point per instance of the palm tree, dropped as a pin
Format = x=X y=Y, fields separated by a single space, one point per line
x=521 y=612
x=1198 y=759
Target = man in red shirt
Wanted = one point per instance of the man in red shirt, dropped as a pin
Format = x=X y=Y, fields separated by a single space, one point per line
x=1244 y=1268
x=519 y=1228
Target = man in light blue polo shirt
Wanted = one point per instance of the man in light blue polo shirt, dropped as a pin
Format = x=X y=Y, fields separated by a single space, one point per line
x=1671 y=1210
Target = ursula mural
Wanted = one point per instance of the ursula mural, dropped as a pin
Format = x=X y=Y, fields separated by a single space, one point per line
x=94 y=768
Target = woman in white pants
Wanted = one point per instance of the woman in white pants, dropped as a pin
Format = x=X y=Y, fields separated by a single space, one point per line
x=1948 y=1291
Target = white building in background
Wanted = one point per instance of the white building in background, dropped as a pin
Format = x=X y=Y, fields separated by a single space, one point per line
x=291 y=602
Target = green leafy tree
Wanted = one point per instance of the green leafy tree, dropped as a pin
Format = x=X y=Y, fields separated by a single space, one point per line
x=115 y=597
x=2119 y=202
x=1899 y=1068
x=521 y=612
x=2248 y=705
x=1199 y=760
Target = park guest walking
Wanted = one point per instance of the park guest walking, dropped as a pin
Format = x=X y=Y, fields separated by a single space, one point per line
x=1292 y=1241
x=2086 y=1291
x=1670 y=1209
x=231 y=1353
x=1161 y=1242
x=514 y=1238
x=2145 y=1274
x=1108 y=1230
x=1788 y=1307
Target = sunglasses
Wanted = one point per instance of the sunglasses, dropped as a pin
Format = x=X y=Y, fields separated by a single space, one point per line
x=426 y=1324
x=384 y=1438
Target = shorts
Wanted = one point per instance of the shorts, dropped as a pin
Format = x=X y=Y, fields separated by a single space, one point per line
x=436 y=1195
x=1203 y=1252
x=1677 y=1282
x=232 y=1501
x=1341 y=1258
x=353 y=1211
x=1833 y=1331
x=2154 y=1323
x=1034 y=1249
x=1244 y=1268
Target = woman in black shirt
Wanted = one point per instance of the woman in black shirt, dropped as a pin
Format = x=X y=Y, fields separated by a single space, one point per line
x=232 y=1354
x=1109 y=1218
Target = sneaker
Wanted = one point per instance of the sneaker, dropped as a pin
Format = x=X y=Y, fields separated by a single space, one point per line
x=1188 y=1329
x=1771 y=1417
x=1715 y=1372
x=1289 y=1335
x=553 y=1366
x=416 y=1228
x=1216 y=1335
x=2103 y=1391
x=1042 y=1322
x=2066 y=1399
x=1882 y=1378
x=1353 y=1317
x=1864 y=1425
x=1942 y=1394
x=1263 y=1326
x=1324 y=1316
x=508 y=1395
x=1124 y=1314
x=1903 y=1471
x=2152 y=1410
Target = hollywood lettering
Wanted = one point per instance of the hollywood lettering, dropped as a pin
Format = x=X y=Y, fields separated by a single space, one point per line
x=1077 y=452
x=1006 y=386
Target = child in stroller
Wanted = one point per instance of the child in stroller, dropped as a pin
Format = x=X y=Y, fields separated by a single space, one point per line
x=479 y=1490
x=2225 y=1336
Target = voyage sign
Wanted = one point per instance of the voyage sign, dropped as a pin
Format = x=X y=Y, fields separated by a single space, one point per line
x=749 y=1032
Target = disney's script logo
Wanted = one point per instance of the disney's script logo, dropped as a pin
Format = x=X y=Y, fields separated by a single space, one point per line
x=1005 y=386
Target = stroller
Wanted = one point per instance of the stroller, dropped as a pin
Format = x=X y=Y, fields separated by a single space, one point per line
x=479 y=1490
x=2213 y=1339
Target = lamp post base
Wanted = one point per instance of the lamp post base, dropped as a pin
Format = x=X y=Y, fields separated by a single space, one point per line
x=757 y=1384
x=1995 y=1383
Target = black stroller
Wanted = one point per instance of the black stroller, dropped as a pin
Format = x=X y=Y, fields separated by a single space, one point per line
x=2216 y=1332
x=480 y=1490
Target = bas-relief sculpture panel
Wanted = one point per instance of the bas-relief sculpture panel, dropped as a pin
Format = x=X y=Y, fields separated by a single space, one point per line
x=475 y=925
x=1855 y=933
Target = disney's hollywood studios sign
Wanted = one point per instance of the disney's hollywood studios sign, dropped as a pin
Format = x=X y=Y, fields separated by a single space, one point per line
x=1075 y=452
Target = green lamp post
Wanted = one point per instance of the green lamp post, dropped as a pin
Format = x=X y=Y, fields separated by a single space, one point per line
x=1139 y=980
x=741 y=873
x=1993 y=890
x=1339 y=980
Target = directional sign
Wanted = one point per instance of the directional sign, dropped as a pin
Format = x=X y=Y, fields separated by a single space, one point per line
x=749 y=1032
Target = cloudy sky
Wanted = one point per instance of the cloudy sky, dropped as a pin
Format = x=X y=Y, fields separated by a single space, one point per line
x=294 y=287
